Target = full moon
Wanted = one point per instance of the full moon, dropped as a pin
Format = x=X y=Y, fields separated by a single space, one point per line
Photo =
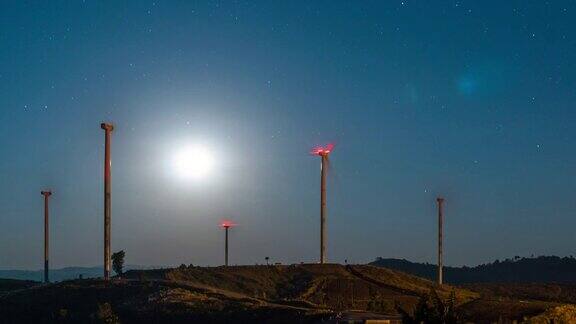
x=193 y=162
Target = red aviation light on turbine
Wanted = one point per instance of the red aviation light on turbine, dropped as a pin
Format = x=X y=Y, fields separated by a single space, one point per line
x=227 y=224
x=322 y=150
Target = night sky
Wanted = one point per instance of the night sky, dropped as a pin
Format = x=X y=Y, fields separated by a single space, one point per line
x=472 y=100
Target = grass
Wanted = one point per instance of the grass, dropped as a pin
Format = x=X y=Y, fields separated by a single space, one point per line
x=286 y=293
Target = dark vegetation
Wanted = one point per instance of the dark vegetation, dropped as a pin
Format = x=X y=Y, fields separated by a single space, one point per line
x=259 y=294
x=118 y=262
x=431 y=309
x=544 y=269
x=12 y=284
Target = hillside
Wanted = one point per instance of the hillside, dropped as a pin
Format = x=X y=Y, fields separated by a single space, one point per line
x=544 y=269
x=334 y=286
x=272 y=294
x=563 y=293
x=12 y=284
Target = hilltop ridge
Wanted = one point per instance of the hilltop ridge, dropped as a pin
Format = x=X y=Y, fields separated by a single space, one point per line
x=542 y=269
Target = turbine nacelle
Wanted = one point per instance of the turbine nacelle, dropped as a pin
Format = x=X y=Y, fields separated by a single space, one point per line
x=227 y=224
x=322 y=150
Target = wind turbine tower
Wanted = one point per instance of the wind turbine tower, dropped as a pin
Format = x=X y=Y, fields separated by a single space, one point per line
x=46 y=195
x=440 y=201
x=323 y=152
x=226 y=226
x=108 y=128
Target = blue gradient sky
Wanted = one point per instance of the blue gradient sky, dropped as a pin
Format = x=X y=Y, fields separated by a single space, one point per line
x=473 y=100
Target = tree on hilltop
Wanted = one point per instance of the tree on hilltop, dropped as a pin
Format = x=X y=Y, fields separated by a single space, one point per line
x=118 y=262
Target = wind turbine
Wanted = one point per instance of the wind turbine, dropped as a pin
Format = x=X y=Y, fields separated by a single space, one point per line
x=323 y=152
x=226 y=224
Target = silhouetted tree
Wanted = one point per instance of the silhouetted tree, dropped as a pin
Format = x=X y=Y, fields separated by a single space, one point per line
x=431 y=309
x=118 y=262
